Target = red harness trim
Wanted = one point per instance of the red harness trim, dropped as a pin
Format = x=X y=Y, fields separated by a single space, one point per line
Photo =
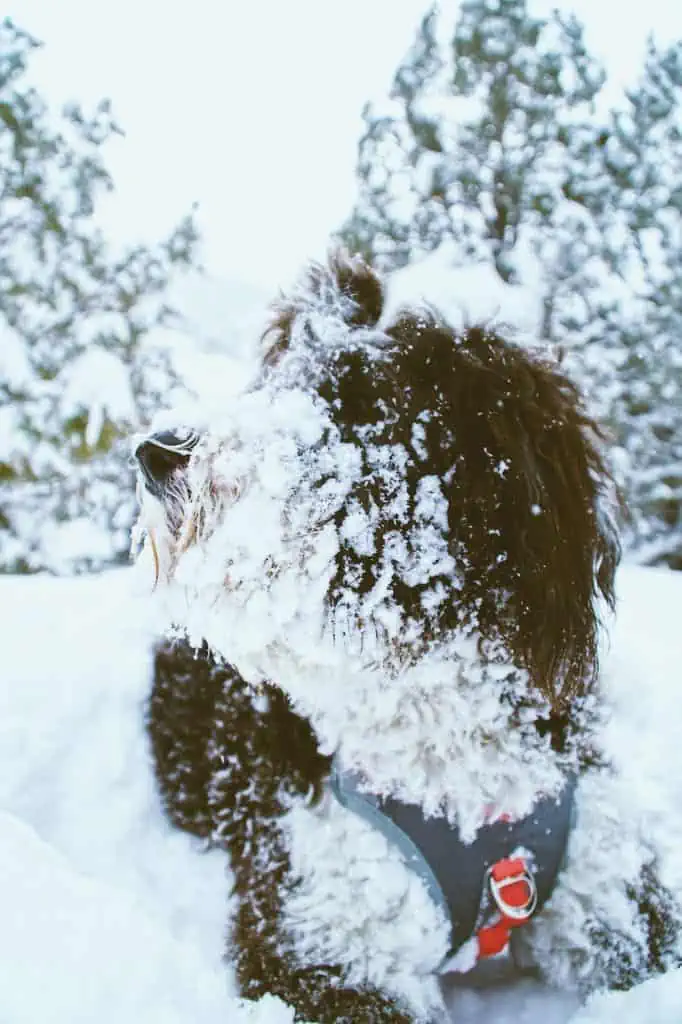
x=513 y=892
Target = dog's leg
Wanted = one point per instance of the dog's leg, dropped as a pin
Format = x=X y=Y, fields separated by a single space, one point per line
x=265 y=763
x=662 y=914
x=261 y=756
x=263 y=953
x=180 y=713
x=218 y=744
x=229 y=764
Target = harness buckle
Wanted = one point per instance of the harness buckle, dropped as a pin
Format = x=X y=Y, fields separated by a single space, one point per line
x=513 y=888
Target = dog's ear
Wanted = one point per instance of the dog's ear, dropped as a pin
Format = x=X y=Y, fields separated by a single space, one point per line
x=345 y=288
x=523 y=471
x=551 y=512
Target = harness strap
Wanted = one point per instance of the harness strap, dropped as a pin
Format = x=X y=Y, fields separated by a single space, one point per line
x=486 y=888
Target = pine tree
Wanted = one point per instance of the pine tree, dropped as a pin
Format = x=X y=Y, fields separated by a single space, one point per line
x=644 y=161
x=78 y=365
x=476 y=142
x=396 y=216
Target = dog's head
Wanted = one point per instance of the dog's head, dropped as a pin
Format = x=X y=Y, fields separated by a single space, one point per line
x=405 y=483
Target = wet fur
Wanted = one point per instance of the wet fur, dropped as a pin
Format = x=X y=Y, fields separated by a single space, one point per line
x=522 y=467
x=521 y=459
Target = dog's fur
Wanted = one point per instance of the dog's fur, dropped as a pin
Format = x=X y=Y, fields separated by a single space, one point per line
x=398 y=546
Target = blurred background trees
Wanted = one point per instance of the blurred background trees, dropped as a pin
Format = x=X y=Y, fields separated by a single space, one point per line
x=79 y=367
x=496 y=142
x=498 y=146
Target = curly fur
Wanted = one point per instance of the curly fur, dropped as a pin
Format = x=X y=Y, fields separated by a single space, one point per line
x=519 y=457
x=409 y=530
x=229 y=762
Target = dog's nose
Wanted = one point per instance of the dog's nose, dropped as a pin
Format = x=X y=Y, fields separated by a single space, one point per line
x=161 y=454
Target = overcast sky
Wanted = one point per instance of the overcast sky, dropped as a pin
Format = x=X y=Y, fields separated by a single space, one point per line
x=252 y=107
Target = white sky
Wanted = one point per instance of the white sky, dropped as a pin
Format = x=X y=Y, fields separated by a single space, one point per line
x=252 y=107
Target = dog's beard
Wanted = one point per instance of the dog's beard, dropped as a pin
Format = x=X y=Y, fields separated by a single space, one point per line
x=186 y=515
x=164 y=527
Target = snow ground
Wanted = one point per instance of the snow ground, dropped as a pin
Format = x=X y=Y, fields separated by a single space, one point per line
x=108 y=915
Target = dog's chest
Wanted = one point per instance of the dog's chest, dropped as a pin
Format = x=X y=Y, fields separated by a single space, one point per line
x=435 y=735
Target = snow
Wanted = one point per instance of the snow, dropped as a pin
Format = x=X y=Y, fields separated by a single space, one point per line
x=109 y=915
x=15 y=370
x=68 y=941
x=472 y=293
x=214 y=344
x=97 y=383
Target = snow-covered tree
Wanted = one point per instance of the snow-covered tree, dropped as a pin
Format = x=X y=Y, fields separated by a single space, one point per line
x=476 y=140
x=394 y=219
x=644 y=160
x=78 y=365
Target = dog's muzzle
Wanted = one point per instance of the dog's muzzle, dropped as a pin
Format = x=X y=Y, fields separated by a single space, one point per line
x=161 y=455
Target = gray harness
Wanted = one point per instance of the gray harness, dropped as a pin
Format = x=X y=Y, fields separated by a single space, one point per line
x=454 y=872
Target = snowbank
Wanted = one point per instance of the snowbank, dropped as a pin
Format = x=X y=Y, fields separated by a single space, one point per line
x=108 y=915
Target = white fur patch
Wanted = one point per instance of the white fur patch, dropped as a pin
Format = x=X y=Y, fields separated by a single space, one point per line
x=359 y=905
x=607 y=849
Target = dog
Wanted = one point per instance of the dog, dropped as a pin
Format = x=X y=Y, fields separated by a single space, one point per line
x=393 y=560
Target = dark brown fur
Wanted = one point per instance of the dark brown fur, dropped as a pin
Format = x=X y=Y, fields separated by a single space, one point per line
x=506 y=433
x=359 y=286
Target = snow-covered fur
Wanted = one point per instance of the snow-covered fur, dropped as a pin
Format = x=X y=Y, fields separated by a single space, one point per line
x=398 y=543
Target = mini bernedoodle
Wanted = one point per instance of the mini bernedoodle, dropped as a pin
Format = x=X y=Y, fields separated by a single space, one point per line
x=392 y=558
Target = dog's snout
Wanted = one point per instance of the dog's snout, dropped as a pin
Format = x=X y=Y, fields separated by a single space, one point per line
x=161 y=454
